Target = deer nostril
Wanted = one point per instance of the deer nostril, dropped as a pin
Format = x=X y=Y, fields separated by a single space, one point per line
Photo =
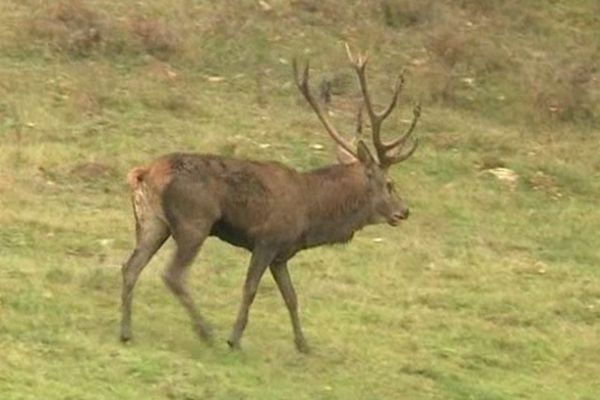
x=402 y=214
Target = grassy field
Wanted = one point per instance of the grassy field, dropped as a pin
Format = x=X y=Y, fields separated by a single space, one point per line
x=491 y=290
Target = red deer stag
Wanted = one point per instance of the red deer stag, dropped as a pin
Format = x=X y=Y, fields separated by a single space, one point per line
x=265 y=207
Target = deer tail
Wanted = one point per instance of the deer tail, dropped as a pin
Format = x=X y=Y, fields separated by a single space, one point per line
x=136 y=176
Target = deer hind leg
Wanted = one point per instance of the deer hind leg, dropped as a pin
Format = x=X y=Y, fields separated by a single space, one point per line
x=189 y=239
x=150 y=236
x=284 y=283
x=260 y=260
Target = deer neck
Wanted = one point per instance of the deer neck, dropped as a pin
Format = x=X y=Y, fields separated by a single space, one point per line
x=338 y=204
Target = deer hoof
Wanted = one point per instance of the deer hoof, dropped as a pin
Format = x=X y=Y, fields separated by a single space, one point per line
x=234 y=344
x=205 y=332
x=125 y=337
x=302 y=346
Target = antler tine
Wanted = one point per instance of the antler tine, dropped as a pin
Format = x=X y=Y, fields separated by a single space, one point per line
x=402 y=139
x=377 y=118
x=359 y=120
x=395 y=96
x=359 y=63
x=305 y=90
x=389 y=160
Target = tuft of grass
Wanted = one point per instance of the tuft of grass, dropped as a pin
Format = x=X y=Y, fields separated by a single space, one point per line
x=406 y=13
x=70 y=26
x=565 y=91
x=155 y=36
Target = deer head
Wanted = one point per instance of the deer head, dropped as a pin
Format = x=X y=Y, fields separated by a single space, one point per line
x=386 y=202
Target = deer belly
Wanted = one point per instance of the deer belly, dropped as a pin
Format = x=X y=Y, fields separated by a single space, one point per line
x=321 y=239
x=232 y=235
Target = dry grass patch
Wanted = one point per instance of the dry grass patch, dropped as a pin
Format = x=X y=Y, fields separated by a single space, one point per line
x=155 y=36
x=70 y=26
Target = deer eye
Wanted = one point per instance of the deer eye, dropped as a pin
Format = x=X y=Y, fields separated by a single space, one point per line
x=390 y=186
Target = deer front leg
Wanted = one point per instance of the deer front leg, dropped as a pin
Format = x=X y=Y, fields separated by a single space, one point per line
x=260 y=260
x=284 y=283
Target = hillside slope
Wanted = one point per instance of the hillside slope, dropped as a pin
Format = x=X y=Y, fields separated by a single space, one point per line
x=491 y=290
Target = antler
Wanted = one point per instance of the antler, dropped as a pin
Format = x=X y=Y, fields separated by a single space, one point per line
x=383 y=150
x=305 y=90
x=359 y=121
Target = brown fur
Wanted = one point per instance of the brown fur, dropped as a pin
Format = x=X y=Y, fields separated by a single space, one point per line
x=147 y=183
x=134 y=177
x=265 y=207
x=158 y=174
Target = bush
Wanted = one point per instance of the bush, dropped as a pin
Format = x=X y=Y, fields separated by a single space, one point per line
x=564 y=91
x=72 y=27
x=406 y=13
x=69 y=26
x=155 y=36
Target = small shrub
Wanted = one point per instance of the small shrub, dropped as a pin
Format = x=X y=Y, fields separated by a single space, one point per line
x=448 y=44
x=439 y=84
x=320 y=11
x=544 y=183
x=310 y=6
x=406 y=13
x=564 y=92
x=155 y=36
x=485 y=57
x=69 y=26
x=490 y=161
x=87 y=103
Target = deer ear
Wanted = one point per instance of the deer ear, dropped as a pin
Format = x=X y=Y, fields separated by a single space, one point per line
x=364 y=154
x=344 y=157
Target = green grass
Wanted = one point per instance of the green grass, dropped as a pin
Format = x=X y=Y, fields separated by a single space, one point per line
x=488 y=291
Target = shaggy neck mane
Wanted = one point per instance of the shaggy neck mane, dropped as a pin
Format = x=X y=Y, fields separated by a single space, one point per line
x=338 y=202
